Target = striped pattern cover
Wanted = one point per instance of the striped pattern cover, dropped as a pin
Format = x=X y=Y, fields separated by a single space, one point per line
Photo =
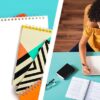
x=31 y=37
x=33 y=69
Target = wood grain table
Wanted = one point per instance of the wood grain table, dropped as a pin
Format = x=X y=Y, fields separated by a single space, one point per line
x=71 y=24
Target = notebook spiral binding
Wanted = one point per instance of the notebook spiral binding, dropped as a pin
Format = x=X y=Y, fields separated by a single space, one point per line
x=21 y=18
x=37 y=28
x=38 y=83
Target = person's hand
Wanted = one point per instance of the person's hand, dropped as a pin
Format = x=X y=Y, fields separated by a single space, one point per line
x=86 y=70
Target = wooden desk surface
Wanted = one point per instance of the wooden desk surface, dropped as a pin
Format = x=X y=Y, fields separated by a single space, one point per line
x=71 y=24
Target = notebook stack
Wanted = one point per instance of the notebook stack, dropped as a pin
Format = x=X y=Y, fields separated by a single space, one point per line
x=33 y=39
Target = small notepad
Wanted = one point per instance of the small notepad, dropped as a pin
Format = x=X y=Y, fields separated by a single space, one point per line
x=83 y=89
x=93 y=63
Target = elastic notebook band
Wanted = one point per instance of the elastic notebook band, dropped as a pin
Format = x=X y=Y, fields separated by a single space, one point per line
x=37 y=28
x=21 y=18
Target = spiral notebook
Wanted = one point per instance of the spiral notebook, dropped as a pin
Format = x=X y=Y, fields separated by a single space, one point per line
x=10 y=30
x=29 y=39
x=12 y=26
x=28 y=69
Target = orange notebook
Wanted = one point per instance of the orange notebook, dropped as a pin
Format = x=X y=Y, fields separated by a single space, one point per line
x=21 y=15
x=32 y=93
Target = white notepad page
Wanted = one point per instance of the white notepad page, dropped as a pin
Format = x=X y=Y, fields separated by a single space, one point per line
x=94 y=63
x=93 y=92
x=10 y=30
x=77 y=88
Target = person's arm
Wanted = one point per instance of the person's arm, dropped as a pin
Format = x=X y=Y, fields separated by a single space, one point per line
x=83 y=42
x=82 y=51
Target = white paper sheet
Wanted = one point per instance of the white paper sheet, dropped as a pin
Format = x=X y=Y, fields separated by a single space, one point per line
x=93 y=63
x=94 y=91
x=77 y=88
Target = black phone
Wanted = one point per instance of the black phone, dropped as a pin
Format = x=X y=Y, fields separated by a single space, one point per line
x=65 y=71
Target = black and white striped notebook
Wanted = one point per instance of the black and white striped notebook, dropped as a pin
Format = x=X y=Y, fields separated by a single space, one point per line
x=33 y=71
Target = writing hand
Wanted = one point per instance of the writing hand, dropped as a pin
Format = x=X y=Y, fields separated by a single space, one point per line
x=86 y=70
